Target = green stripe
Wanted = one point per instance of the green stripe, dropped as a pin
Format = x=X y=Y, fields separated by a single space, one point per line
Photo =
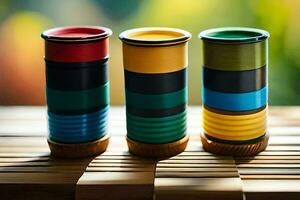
x=155 y=130
x=156 y=125
x=157 y=138
x=234 y=57
x=155 y=119
x=157 y=101
x=76 y=100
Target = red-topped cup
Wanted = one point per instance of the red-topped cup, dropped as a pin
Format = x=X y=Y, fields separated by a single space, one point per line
x=89 y=43
x=77 y=90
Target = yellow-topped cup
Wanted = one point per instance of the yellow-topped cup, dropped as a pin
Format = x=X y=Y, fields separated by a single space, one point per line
x=155 y=62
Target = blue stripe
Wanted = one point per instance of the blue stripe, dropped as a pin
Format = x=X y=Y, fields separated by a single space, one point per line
x=87 y=120
x=78 y=137
x=78 y=128
x=235 y=101
x=71 y=129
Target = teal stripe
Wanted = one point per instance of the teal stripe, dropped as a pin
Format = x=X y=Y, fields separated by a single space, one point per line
x=76 y=100
x=157 y=139
x=155 y=131
x=157 y=101
x=156 y=125
x=155 y=119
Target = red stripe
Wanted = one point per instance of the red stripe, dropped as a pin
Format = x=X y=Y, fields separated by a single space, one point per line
x=80 y=52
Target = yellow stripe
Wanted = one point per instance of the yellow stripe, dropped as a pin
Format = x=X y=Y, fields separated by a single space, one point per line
x=162 y=59
x=236 y=127
x=235 y=117
x=234 y=122
x=237 y=137
x=236 y=132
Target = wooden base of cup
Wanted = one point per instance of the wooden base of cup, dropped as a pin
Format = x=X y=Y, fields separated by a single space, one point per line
x=80 y=150
x=157 y=150
x=249 y=149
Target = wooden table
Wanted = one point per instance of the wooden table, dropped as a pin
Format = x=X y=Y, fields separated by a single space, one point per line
x=27 y=171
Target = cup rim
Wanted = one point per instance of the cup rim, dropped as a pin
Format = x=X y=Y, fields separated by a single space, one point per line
x=247 y=35
x=179 y=36
x=89 y=33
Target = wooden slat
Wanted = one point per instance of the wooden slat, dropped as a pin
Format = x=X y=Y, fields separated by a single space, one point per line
x=27 y=171
x=197 y=175
x=33 y=178
x=275 y=173
x=117 y=175
x=217 y=188
x=272 y=189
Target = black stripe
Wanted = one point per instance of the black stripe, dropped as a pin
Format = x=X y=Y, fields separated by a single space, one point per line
x=234 y=142
x=226 y=112
x=155 y=83
x=76 y=75
x=235 y=81
x=76 y=112
x=155 y=112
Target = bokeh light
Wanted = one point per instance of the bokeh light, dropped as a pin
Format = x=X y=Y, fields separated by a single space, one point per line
x=21 y=48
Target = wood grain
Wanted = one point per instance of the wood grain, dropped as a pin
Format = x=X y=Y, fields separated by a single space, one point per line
x=27 y=171
x=196 y=174
x=116 y=174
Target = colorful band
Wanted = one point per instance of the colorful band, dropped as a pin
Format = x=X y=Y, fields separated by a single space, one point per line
x=155 y=50
x=158 y=138
x=228 y=122
x=162 y=124
x=76 y=76
x=242 y=136
x=155 y=60
x=77 y=52
x=221 y=133
x=234 y=81
x=76 y=44
x=222 y=56
x=155 y=120
x=234 y=48
x=77 y=101
x=235 y=101
x=162 y=101
x=155 y=83
x=234 y=127
x=156 y=130
x=78 y=128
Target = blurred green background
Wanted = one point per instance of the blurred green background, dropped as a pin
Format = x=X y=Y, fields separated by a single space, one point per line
x=21 y=48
